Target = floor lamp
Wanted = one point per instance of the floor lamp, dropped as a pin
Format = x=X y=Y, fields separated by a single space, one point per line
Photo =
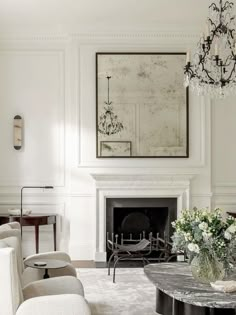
x=21 y=200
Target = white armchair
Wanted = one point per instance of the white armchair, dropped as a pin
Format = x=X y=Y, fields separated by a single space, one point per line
x=13 y=299
x=32 y=274
x=67 y=304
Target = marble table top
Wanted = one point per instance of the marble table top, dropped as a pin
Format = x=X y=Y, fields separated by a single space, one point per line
x=175 y=279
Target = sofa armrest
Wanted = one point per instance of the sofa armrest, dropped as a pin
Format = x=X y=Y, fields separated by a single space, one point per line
x=53 y=286
x=69 y=304
x=14 y=225
x=50 y=255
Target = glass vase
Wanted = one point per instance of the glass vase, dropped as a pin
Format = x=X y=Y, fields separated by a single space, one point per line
x=206 y=268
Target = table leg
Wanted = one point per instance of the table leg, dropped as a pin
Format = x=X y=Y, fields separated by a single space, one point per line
x=177 y=307
x=163 y=303
x=46 y=275
x=55 y=235
x=37 y=238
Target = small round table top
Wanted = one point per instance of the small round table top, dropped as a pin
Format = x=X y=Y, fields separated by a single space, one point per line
x=50 y=263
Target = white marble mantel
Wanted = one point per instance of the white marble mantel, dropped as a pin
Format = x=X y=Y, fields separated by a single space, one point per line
x=135 y=186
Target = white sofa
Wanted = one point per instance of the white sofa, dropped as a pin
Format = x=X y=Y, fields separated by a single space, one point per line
x=32 y=274
x=56 y=296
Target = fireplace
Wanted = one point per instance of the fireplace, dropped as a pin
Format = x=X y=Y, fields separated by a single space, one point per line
x=134 y=218
x=136 y=186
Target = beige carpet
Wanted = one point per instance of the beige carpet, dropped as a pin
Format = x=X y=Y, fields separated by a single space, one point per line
x=132 y=294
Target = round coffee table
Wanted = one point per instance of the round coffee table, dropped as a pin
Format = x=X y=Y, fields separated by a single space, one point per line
x=49 y=264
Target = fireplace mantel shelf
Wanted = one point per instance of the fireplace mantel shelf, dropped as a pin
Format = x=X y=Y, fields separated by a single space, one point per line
x=142 y=177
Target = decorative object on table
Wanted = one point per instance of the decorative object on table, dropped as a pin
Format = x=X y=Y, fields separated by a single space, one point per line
x=21 y=199
x=40 y=263
x=150 y=101
x=206 y=267
x=224 y=286
x=108 y=121
x=212 y=68
x=115 y=148
x=209 y=241
x=18 y=132
x=18 y=211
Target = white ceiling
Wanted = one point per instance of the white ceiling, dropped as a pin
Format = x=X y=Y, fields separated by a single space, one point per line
x=104 y=15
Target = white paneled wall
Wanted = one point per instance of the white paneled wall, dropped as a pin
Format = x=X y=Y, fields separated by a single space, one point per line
x=50 y=82
x=32 y=86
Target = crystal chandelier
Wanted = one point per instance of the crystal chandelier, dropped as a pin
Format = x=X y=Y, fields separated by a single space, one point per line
x=212 y=69
x=108 y=121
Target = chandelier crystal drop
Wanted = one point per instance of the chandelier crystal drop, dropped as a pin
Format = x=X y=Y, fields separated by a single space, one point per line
x=212 y=68
x=108 y=121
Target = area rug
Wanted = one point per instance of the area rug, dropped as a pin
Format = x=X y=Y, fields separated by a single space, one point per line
x=132 y=294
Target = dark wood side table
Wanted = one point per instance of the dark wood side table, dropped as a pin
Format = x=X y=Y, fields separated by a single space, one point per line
x=33 y=220
x=49 y=264
x=233 y=214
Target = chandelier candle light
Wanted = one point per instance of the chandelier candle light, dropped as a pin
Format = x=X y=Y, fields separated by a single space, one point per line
x=212 y=68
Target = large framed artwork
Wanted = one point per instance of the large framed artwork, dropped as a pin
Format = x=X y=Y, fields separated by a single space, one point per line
x=142 y=106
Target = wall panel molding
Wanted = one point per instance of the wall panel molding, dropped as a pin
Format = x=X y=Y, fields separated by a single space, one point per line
x=59 y=55
x=199 y=112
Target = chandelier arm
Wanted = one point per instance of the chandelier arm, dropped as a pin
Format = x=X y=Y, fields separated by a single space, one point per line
x=231 y=31
x=213 y=24
x=208 y=75
x=195 y=75
x=231 y=73
x=214 y=7
x=227 y=5
x=203 y=67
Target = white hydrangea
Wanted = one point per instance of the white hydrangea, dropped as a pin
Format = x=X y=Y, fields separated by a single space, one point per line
x=193 y=248
x=203 y=226
x=206 y=235
x=231 y=229
x=227 y=235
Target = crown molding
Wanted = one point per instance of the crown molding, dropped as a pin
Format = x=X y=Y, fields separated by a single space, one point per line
x=97 y=35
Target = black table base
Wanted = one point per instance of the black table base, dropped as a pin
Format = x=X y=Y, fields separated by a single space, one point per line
x=166 y=305
x=46 y=275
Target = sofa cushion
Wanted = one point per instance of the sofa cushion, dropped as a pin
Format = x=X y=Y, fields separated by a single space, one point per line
x=10 y=283
x=3 y=244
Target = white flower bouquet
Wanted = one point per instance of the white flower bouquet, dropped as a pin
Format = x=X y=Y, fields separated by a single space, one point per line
x=200 y=230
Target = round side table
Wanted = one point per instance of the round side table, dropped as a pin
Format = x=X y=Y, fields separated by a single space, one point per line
x=49 y=264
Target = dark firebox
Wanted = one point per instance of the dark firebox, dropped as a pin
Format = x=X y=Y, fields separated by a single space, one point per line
x=134 y=218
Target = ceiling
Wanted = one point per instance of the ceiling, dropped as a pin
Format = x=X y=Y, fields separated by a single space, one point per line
x=103 y=15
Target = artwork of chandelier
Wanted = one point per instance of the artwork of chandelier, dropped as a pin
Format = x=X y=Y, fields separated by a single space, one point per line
x=108 y=121
x=212 y=68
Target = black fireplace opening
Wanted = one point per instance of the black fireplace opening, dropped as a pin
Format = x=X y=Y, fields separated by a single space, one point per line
x=134 y=218
x=136 y=222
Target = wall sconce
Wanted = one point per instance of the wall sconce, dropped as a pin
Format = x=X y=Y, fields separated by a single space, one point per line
x=21 y=200
x=18 y=132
